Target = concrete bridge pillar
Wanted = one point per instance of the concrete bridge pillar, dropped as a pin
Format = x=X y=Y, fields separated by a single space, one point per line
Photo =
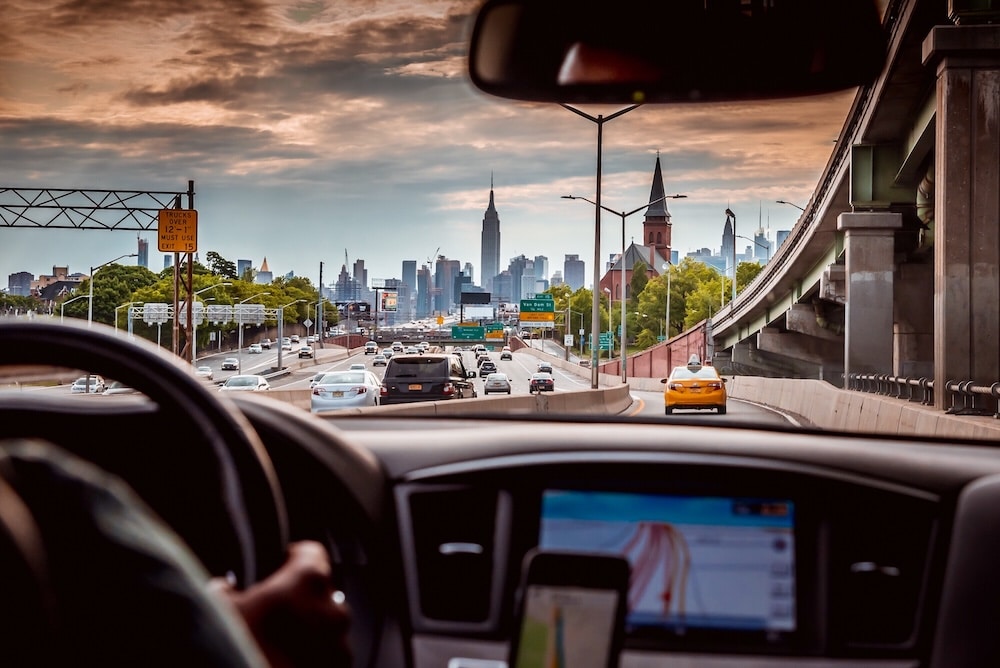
x=868 y=324
x=967 y=204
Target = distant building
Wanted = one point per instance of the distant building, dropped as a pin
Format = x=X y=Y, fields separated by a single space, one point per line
x=502 y=288
x=557 y=279
x=780 y=236
x=408 y=290
x=490 y=264
x=574 y=272
x=168 y=260
x=143 y=251
x=264 y=275
x=19 y=284
x=242 y=267
x=445 y=271
x=424 y=306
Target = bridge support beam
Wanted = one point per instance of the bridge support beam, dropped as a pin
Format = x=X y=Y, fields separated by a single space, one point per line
x=913 y=340
x=868 y=323
x=967 y=204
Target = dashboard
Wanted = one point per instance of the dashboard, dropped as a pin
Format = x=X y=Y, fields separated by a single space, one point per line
x=747 y=547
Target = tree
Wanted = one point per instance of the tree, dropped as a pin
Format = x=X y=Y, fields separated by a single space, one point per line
x=639 y=280
x=220 y=266
x=745 y=273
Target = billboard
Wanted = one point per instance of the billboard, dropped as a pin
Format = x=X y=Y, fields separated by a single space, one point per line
x=475 y=298
x=389 y=301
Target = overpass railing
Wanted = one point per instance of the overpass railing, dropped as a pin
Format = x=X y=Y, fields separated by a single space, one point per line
x=967 y=398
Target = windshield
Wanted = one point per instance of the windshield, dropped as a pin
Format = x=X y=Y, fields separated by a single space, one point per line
x=738 y=231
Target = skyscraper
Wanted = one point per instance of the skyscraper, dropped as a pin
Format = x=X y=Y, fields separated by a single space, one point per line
x=408 y=293
x=490 y=265
x=143 y=250
x=424 y=305
x=573 y=272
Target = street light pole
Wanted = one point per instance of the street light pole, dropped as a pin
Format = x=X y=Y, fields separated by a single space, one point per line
x=281 y=326
x=600 y=120
x=62 y=306
x=730 y=213
x=624 y=215
x=117 y=308
x=90 y=306
x=668 y=267
x=239 y=320
x=194 y=321
x=781 y=201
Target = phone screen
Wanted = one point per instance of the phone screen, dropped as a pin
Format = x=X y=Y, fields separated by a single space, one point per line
x=564 y=626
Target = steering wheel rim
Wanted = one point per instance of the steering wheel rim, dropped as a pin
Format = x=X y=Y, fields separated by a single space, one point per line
x=248 y=485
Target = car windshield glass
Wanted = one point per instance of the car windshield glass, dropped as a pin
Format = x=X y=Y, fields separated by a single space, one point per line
x=342 y=379
x=684 y=373
x=241 y=381
x=417 y=367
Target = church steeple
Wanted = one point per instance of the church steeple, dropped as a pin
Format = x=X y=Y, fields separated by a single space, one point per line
x=656 y=228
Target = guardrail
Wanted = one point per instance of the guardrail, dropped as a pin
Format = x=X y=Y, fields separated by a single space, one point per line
x=967 y=398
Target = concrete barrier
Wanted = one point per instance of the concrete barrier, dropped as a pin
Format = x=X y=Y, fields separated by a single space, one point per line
x=828 y=407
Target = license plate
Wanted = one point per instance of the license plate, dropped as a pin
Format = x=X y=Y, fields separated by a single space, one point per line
x=415 y=386
x=337 y=393
x=696 y=390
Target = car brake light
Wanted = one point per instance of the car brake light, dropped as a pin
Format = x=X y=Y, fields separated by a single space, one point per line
x=715 y=386
x=383 y=391
x=448 y=389
x=675 y=386
x=360 y=389
x=317 y=391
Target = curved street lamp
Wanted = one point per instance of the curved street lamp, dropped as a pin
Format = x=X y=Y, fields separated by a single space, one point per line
x=93 y=270
x=194 y=321
x=624 y=215
x=239 y=320
x=117 y=308
x=781 y=201
x=70 y=301
x=281 y=326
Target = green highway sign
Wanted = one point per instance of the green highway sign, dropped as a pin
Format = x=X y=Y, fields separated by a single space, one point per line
x=538 y=305
x=468 y=332
x=494 y=327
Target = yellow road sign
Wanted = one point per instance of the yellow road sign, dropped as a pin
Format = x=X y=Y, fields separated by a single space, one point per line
x=177 y=231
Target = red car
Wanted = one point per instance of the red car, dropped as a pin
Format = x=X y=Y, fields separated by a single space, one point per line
x=541 y=382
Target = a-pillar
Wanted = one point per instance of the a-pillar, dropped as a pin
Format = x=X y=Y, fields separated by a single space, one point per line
x=869 y=239
x=967 y=204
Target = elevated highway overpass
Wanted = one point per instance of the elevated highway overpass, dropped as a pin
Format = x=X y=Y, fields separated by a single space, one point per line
x=892 y=267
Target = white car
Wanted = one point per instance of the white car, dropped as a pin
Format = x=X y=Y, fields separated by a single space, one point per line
x=357 y=366
x=245 y=383
x=204 y=372
x=345 y=389
x=79 y=386
x=255 y=348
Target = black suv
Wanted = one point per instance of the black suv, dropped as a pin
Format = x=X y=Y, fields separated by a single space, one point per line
x=486 y=368
x=430 y=377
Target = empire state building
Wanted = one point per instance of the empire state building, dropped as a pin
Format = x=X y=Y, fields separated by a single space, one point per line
x=490 y=265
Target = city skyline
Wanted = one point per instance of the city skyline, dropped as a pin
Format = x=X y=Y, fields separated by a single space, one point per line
x=388 y=156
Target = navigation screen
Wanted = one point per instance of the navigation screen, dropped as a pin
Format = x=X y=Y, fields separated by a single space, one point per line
x=697 y=562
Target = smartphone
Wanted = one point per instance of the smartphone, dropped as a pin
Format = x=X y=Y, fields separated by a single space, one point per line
x=571 y=611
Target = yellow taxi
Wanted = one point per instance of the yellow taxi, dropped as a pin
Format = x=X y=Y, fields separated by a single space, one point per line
x=694 y=386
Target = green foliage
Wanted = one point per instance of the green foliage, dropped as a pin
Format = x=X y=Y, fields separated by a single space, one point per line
x=220 y=266
x=639 y=280
x=745 y=273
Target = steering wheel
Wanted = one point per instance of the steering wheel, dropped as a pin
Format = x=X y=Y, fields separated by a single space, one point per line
x=189 y=453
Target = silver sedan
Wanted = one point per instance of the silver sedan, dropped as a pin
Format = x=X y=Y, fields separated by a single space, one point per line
x=345 y=389
x=497 y=382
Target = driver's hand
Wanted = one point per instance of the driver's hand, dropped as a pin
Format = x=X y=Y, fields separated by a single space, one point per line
x=296 y=615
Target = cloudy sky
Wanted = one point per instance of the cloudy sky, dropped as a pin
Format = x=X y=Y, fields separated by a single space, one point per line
x=315 y=127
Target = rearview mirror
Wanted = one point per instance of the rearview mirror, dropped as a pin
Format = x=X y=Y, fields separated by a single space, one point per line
x=633 y=51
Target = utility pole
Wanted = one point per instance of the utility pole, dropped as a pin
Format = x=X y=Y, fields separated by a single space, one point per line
x=319 y=308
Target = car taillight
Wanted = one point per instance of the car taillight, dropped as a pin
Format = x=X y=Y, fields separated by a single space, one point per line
x=383 y=391
x=317 y=391
x=675 y=386
x=360 y=389
x=448 y=389
x=715 y=386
